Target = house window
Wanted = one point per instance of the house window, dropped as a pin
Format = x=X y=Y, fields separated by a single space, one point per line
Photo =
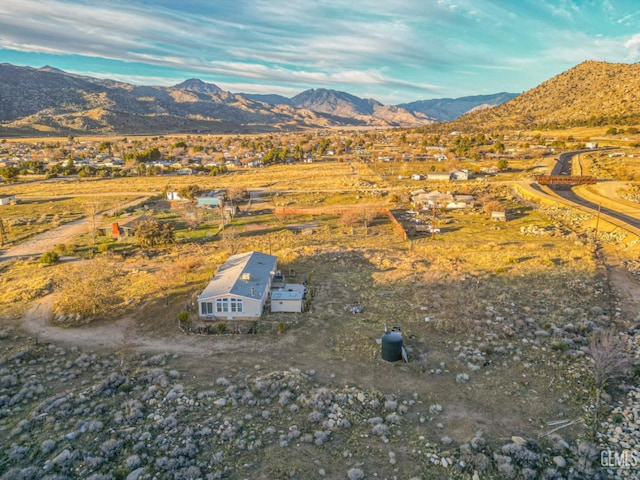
x=236 y=304
x=206 y=308
x=222 y=305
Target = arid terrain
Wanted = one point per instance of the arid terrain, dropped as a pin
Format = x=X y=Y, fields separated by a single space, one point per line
x=498 y=321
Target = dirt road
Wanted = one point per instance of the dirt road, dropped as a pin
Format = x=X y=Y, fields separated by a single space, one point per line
x=46 y=241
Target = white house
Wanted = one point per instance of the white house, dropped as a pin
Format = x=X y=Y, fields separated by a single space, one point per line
x=439 y=176
x=430 y=198
x=289 y=298
x=239 y=289
x=499 y=216
x=7 y=199
x=460 y=174
x=460 y=201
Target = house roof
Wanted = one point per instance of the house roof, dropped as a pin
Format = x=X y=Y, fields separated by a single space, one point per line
x=244 y=275
x=291 y=291
x=464 y=198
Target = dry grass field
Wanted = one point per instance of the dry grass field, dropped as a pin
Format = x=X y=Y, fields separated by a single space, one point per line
x=496 y=318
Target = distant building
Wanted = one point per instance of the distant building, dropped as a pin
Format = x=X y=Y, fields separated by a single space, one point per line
x=118 y=230
x=460 y=201
x=211 y=199
x=438 y=199
x=499 y=216
x=439 y=176
x=460 y=175
x=7 y=199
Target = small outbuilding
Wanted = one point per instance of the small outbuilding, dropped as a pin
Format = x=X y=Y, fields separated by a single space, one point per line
x=439 y=176
x=289 y=298
x=7 y=199
x=499 y=216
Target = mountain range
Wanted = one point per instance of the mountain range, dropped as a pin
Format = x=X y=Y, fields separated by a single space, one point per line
x=40 y=101
x=447 y=109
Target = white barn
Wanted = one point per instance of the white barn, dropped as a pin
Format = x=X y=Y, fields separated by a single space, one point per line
x=289 y=298
x=240 y=288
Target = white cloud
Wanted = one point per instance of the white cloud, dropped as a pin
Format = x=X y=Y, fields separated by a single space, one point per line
x=411 y=46
x=633 y=48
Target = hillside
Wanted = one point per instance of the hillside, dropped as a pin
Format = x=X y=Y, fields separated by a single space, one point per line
x=50 y=101
x=592 y=93
x=447 y=109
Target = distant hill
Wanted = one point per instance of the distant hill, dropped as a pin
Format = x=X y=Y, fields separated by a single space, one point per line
x=334 y=102
x=447 y=109
x=345 y=105
x=271 y=99
x=35 y=101
x=196 y=85
x=591 y=93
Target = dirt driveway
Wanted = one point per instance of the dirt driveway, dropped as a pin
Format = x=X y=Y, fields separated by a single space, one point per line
x=46 y=241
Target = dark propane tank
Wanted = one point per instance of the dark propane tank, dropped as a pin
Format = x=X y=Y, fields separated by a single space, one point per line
x=392 y=345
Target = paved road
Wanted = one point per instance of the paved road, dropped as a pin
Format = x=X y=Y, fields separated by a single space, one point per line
x=602 y=197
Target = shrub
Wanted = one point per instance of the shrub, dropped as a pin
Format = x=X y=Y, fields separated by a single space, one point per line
x=64 y=249
x=617 y=418
x=559 y=346
x=635 y=371
x=103 y=247
x=221 y=327
x=183 y=317
x=49 y=258
x=281 y=327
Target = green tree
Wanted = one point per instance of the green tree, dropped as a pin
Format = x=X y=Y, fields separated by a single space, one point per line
x=179 y=144
x=105 y=147
x=503 y=164
x=9 y=174
x=151 y=233
x=189 y=192
x=498 y=147
x=69 y=167
x=49 y=258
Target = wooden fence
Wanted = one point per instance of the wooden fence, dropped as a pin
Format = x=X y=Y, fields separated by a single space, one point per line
x=397 y=226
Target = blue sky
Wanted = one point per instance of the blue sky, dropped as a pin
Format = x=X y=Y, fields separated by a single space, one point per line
x=395 y=51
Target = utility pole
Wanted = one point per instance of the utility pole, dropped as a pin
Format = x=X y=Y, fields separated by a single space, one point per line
x=3 y=234
x=433 y=222
x=595 y=235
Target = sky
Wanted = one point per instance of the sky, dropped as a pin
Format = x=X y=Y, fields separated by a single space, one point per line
x=394 y=51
